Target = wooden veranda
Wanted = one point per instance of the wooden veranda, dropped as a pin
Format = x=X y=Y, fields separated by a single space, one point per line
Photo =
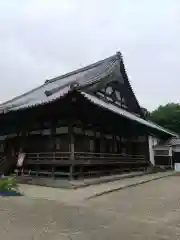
x=58 y=164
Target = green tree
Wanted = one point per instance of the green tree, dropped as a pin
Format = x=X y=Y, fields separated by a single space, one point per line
x=168 y=116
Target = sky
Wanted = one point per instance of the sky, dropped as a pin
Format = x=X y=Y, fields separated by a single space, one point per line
x=42 y=39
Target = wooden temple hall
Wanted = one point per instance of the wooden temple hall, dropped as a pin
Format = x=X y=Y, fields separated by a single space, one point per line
x=84 y=123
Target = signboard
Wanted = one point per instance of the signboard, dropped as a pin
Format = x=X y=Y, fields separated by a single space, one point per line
x=20 y=160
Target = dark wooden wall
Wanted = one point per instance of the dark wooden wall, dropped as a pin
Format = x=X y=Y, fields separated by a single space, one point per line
x=85 y=141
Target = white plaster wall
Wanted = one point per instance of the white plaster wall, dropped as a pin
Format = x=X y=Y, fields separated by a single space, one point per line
x=152 y=142
x=151 y=151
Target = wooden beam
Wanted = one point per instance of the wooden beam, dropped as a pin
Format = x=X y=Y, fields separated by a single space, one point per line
x=71 y=149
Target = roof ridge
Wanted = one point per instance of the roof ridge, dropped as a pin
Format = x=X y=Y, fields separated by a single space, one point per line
x=95 y=64
x=62 y=76
x=76 y=85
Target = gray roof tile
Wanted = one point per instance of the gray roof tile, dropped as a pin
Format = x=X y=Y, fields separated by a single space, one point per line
x=61 y=85
x=116 y=109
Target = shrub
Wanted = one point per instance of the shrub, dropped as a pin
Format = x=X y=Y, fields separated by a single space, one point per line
x=8 y=184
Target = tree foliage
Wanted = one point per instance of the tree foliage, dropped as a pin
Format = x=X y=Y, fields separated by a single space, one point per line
x=168 y=116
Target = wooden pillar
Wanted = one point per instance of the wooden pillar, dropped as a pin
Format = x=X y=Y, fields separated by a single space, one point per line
x=91 y=144
x=71 y=149
x=119 y=144
x=22 y=148
x=147 y=155
x=52 y=135
x=113 y=143
x=101 y=142
x=94 y=140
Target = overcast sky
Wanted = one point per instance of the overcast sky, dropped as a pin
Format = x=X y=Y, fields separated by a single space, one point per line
x=42 y=39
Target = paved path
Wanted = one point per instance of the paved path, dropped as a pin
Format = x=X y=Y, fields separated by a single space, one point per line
x=147 y=211
x=71 y=196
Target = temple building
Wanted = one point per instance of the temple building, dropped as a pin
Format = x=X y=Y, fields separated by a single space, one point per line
x=84 y=123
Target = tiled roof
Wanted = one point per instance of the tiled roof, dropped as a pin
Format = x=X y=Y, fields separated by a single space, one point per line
x=62 y=85
x=57 y=87
x=116 y=109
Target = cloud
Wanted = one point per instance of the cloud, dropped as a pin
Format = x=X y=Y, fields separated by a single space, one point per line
x=43 y=39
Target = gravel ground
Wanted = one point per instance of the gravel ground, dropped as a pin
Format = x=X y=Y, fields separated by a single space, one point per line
x=147 y=211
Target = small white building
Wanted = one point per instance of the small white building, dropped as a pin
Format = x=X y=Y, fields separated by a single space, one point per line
x=165 y=153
